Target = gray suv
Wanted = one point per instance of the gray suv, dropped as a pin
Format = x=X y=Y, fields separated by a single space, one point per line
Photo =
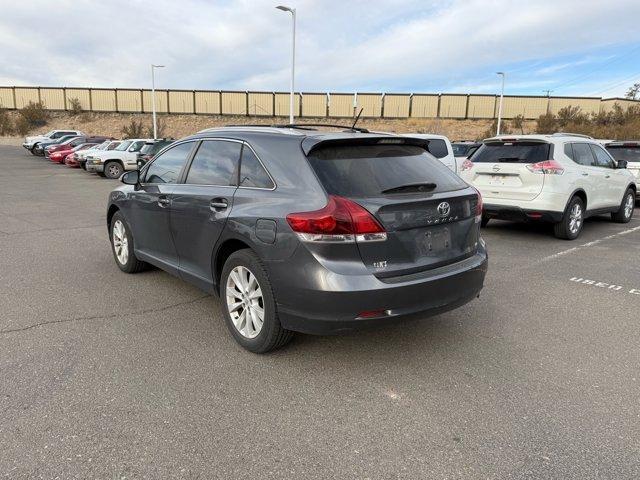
x=301 y=230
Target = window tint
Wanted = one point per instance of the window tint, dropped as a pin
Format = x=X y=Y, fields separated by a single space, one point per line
x=582 y=154
x=460 y=150
x=215 y=163
x=252 y=172
x=368 y=170
x=136 y=146
x=438 y=148
x=512 y=152
x=123 y=145
x=630 y=154
x=166 y=168
x=602 y=158
x=57 y=135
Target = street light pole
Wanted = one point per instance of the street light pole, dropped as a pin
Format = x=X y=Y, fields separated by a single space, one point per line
x=153 y=98
x=500 y=106
x=292 y=11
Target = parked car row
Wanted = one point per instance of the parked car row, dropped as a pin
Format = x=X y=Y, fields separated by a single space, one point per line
x=98 y=154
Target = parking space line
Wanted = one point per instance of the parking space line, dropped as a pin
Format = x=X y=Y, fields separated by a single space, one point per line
x=588 y=244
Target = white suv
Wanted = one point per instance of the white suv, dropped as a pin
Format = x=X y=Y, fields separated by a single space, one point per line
x=561 y=178
x=113 y=163
x=31 y=142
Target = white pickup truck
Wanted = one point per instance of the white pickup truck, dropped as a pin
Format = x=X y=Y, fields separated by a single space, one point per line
x=31 y=142
x=113 y=163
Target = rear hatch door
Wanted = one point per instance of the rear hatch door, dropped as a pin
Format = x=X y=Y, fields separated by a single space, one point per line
x=500 y=168
x=428 y=212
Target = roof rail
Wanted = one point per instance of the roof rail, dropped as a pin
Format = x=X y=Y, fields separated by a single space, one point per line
x=564 y=134
x=307 y=126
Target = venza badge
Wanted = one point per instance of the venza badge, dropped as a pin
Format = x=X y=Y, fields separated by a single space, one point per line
x=444 y=209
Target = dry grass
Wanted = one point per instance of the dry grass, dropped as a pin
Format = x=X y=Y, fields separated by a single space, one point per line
x=178 y=126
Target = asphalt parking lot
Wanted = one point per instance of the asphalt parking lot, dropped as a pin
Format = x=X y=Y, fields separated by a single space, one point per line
x=108 y=375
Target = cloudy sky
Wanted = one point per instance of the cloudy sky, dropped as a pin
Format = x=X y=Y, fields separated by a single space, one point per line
x=584 y=47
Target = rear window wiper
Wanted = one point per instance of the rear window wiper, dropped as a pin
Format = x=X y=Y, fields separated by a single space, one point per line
x=411 y=187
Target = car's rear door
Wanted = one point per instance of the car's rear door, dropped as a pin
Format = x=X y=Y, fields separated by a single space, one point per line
x=592 y=178
x=151 y=204
x=499 y=169
x=427 y=211
x=201 y=205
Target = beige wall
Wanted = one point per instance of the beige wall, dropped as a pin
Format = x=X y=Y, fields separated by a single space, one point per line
x=374 y=105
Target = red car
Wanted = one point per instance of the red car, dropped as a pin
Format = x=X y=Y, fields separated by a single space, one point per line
x=60 y=156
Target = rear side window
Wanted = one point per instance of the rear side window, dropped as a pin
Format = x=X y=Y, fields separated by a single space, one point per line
x=369 y=170
x=582 y=154
x=438 y=148
x=512 y=152
x=136 y=146
x=252 y=173
x=215 y=163
x=166 y=168
x=630 y=154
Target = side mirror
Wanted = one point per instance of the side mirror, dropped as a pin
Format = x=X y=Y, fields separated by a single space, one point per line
x=622 y=164
x=131 y=178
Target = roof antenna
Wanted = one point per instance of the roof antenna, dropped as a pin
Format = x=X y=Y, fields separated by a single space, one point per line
x=353 y=127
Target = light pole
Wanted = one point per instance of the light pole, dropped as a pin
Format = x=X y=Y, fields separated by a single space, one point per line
x=548 y=100
x=153 y=98
x=292 y=11
x=500 y=106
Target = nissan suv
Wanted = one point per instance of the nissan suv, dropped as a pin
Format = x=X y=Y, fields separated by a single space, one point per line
x=560 y=178
x=303 y=230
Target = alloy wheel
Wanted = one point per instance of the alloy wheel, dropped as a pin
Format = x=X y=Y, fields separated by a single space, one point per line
x=629 y=205
x=245 y=302
x=113 y=170
x=120 y=242
x=575 y=218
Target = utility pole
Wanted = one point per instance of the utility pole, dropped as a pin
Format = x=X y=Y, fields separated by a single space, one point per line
x=548 y=100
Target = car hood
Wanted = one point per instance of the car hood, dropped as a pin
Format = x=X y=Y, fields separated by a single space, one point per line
x=35 y=138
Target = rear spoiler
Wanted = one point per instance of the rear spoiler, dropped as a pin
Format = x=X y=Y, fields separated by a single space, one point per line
x=309 y=144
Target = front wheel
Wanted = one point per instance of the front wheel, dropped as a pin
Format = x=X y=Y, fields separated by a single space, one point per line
x=249 y=305
x=122 y=246
x=33 y=149
x=625 y=212
x=113 y=170
x=570 y=226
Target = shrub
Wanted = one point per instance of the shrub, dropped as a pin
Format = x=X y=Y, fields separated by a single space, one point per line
x=6 y=126
x=491 y=131
x=518 y=123
x=75 y=107
x=22 y=125
x=133 y=130
x=161 y=127
x=571 y=115
x=546 y=123
x=34 y=114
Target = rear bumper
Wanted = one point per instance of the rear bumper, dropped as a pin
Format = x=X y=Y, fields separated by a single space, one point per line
x=517 y=214
x=317 y=308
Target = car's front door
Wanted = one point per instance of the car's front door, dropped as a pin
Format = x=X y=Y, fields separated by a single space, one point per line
x=151 y=203
x=201 y=205
x=616 y=181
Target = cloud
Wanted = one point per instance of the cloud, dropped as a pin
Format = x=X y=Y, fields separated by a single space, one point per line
x=406 y=45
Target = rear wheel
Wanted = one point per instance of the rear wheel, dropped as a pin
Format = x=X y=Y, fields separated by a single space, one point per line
x=570 y=226
x=113 y=169
x=249 y=305
x=625 y=212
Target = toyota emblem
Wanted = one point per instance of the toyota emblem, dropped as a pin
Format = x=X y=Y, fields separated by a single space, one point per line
x=444 y=209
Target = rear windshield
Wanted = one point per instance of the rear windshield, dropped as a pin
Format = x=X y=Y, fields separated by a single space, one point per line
x=369 y=170
x=630 y=154
x=515 y=152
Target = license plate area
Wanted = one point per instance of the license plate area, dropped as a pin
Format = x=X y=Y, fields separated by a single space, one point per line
x=436 y=240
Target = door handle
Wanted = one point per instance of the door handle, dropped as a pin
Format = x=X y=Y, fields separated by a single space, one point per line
x=218 y=204
x=607 y=176
x=584 y=174
x=163 y=202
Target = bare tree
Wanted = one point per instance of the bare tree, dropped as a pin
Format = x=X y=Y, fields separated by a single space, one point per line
x=634 y=92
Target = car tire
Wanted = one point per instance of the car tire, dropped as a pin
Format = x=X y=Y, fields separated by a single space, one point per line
x=33 y=149
x=113 y=170
x=484 y=221
x=625 y=212
x=122 y=245
x=570 y=226
x=241 y=270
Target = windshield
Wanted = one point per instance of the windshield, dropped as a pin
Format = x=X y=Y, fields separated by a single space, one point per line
x=630 y=154
x=123 y=146
x=374 y=170
x=460 y=150
x=512 y=152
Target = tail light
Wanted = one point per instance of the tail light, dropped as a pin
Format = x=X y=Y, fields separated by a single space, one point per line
x=340 y=221
x=550 y=167
x=479 y=207
x=466 y=165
